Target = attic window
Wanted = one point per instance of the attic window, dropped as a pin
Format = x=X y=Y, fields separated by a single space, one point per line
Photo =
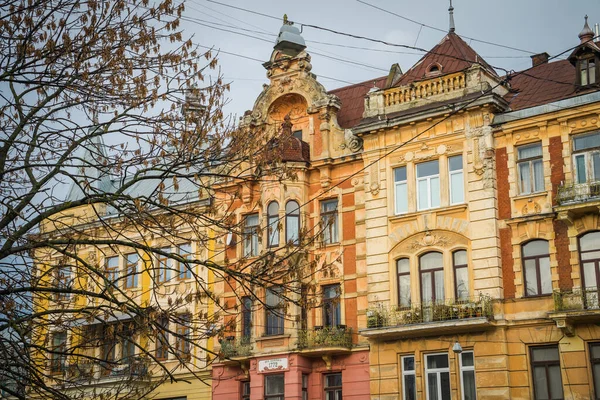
x=587 y=71
x=434 y=69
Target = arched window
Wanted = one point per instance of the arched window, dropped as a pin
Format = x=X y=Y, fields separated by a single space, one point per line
x=292 y=223
x=272 y=222
x=461 y=275
x=403 y=271
x=431 y=266
x=589 y=255
x=536 y=268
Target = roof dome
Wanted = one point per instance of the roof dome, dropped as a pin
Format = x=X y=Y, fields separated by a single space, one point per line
x=289 y=40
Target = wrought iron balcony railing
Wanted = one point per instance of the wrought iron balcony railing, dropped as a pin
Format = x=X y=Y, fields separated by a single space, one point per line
x=380 y=316
x=327 y=336
x=577 y=300
x=230 y=347
x=136 y=367
x=578 y=192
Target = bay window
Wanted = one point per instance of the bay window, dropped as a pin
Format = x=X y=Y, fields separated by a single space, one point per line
x=329 y=221
x=274 y=387
x=274 y=311
x=428 y=185
x=331 y=305
x=246 y=318
x=589 y=256
x=333 y=386
x=530 y=168
x=292 y=223
x=251 y=229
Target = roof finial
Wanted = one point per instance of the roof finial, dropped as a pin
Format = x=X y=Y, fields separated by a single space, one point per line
x=586 y=34
x=451 y=12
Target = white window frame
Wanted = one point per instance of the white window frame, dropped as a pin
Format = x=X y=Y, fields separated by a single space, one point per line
x=529 y=163
x=462 y=180
x=437 y=371
x=428 y=179
x=397 y=186
x=408 y=373
x=466 y=369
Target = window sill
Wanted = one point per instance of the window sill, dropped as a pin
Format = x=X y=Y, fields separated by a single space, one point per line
x=537 y=296
x=439 y=210
x=272 y=337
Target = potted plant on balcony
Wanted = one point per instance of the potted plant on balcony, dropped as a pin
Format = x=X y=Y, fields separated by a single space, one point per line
x=375 y=318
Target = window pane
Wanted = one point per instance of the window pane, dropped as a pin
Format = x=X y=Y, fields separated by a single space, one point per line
x=274 y=384
x=462 y=283
x=410 y=392
x=535 y=248
x=435 y=192
x=595 y=350
x=589 y=275
x=545 y=275
x=333 y=380
x=431 y=260
x=555 y=382
x=460 y=257
x=580 y=168
x=590 y=241
x=400 y=174
x=437 y=361
x=432 y=386
x=403 y=265
x=445 y=384
x=457 y=188
x=529 y=151
x=439 y=286
x=524 y=178
x=469 y=391
x=455 y=163
x=596 y=371
x=588 y=141
x=544 y=354
x=422 y=198
x=467 y=359
x=426 y=287
x=404 y=291
x=595 y=167
x=408 y=363
x=428 y=168
x=531 y=278
x=538 y=175
x=292 y=222
x=328 y=205
x=541 y=383
x=401 y=198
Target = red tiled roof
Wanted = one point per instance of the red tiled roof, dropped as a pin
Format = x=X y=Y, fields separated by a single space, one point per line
x=353 y=101
x=452 y=53
x=542 y=84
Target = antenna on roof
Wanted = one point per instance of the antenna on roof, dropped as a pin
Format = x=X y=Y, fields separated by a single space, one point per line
x=451 y=12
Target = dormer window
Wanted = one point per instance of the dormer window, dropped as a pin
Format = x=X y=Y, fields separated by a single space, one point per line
x=433 y=70
x=587 y=70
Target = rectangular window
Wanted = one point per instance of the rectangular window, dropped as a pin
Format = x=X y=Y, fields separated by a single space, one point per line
x=530 y=168
x=409 y=390
x=428 y=185
x=108 y=348
x=588 y=71
x=400 y=191
x=112 y=268
x=403 y=271
x=165 y=265
x=329 y=221
x=457 y=181
x=274 y=311
x=127 y=343
x=246 y=317
x=58 y=357
x=185 y=252
x=245 y=390
x=131 y=273
x=331 y=305
x=333 y=386
x=437 y=375
x=182 y=331
x=162 y=340
x=304 y=387
x=545 y=367
x=586 y=157
x=274 y=387
x=251 y=248
x=62 y=281
x=595 y=361
x=467 y=376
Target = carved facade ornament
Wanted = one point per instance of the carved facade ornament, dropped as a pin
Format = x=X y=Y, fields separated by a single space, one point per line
x=531 y=207
x=428 y=240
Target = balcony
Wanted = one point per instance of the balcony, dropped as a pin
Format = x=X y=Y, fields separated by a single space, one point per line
x=81 y=371
x=449 y=317
x=576 y=199
x=325 y=340
x=235 y=350
x=575 y=307
x=136 y=368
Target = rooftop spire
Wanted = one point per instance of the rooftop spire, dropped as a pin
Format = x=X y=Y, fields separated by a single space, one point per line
x=451 y=12
x=586 y=34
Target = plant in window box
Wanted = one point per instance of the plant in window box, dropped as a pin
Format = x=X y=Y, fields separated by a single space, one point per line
x=441 y=312
x=412 y=316
x=375 y=317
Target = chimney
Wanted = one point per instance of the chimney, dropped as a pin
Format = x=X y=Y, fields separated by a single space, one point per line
x=541 y=58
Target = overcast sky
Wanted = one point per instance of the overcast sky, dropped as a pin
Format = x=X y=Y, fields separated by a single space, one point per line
x=532 y=26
